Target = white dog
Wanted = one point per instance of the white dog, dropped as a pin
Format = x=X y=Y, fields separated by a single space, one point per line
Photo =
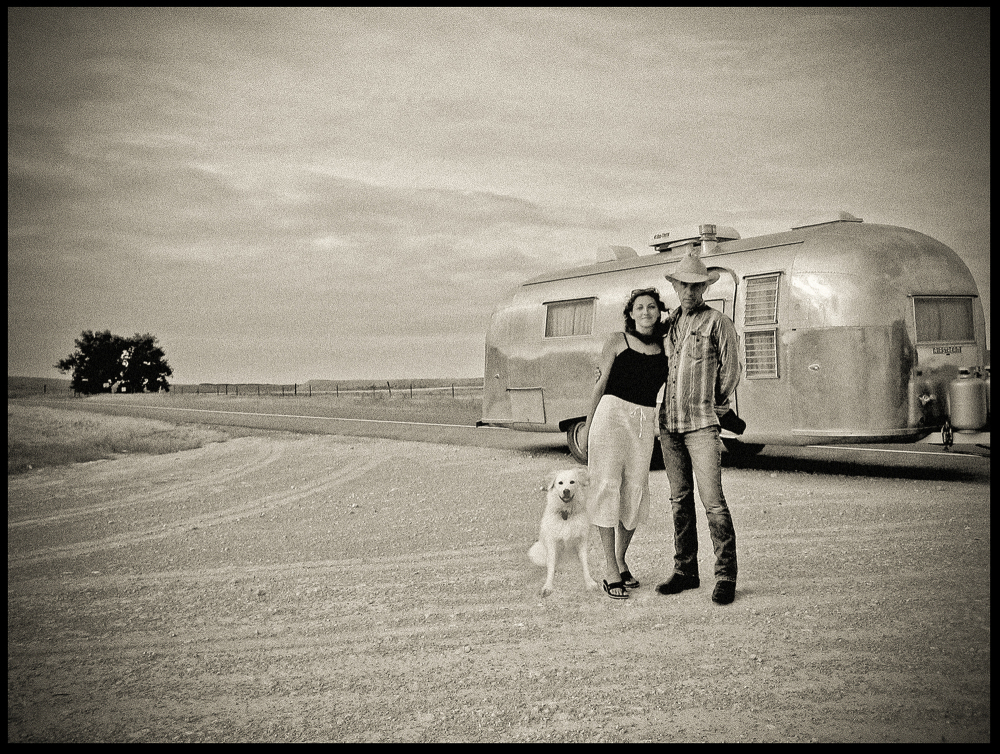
x=565 y=525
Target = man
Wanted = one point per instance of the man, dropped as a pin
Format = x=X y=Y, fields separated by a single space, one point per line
x=701 y=347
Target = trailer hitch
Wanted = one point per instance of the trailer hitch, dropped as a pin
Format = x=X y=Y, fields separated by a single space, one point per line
x=947 y=435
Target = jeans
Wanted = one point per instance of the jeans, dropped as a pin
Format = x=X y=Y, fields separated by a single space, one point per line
x=689 y=456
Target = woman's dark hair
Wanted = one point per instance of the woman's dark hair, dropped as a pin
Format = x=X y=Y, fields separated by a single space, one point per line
x=653 y=294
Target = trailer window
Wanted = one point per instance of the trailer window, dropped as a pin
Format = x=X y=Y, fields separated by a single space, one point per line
x=762 y=301
x=761 y=348
x=941 y=318
x=564 y=319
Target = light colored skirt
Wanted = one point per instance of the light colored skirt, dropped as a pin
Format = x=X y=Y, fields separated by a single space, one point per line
x=619 y=449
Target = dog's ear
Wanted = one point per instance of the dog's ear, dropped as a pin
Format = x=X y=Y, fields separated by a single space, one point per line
x=550 y=481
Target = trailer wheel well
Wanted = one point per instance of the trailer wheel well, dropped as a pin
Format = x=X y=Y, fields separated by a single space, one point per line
x=565 y=424
x=573 y=427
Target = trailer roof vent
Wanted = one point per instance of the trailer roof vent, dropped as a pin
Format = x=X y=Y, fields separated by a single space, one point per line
x=667 y=240
x=842 y=217
x=616 y=253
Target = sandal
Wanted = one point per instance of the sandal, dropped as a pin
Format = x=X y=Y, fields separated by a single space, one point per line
x=618 y=585
x=629 y=580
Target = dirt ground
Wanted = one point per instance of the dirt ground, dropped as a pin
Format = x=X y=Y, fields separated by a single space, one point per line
x=318 y=588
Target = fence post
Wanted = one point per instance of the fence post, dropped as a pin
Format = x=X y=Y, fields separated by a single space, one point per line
x=390 y=388
x=295 y=389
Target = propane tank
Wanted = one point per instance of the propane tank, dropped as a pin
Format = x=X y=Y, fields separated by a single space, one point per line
x=988 y=412
x=967 y=402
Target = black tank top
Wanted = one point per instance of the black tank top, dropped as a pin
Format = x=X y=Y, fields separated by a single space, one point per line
x=637 y=377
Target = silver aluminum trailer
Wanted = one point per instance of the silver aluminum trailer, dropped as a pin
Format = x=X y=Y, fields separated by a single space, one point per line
x=850 y=332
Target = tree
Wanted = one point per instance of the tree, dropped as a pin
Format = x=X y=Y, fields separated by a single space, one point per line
x=106 y=363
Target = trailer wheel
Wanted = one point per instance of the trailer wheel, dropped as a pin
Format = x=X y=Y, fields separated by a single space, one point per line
x=741 y=449
x=574 y=438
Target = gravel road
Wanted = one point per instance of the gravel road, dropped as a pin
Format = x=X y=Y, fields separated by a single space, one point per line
x=315 y=588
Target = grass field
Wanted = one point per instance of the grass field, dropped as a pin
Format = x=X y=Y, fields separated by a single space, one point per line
x=39 y=436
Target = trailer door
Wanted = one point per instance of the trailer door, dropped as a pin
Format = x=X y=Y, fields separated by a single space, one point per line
x=721 y=296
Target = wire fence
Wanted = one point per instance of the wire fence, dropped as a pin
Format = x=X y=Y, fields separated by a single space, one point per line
x=374 y=390
x=465 y=388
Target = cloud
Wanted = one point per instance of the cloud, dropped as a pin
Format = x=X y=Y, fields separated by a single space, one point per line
x=275 y=176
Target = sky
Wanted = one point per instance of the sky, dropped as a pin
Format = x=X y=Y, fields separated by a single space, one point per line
x=280 y=195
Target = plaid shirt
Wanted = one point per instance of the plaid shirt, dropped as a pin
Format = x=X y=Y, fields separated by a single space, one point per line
x=704 y=369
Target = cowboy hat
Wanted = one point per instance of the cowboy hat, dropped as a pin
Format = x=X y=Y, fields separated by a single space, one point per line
x=692 y=270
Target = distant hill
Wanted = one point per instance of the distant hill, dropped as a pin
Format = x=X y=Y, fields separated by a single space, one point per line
x=26 y=386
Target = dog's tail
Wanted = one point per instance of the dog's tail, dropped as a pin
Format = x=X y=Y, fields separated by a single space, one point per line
x=537 y=554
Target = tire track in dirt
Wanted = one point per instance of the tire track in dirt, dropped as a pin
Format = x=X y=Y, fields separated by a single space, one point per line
x=351 y=615
x=455 y=559
x=266 y=457
x=206 y=520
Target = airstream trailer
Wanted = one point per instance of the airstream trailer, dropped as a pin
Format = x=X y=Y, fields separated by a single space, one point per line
x=850 y=332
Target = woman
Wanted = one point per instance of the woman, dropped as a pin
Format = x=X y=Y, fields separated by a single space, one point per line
x=621 y=430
